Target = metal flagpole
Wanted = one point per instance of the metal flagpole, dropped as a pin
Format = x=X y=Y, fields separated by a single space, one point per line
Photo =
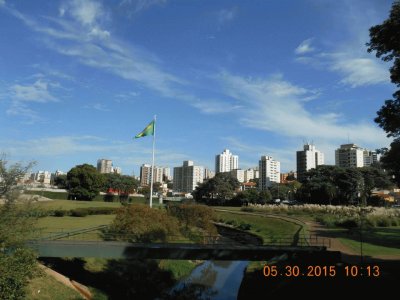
x=152 y=165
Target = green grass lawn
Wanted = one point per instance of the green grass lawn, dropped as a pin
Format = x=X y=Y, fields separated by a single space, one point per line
x=64 y=196
x=70 y=204
x=270 y=229
x=66 y=223
x=376 y=241
x=47 y=288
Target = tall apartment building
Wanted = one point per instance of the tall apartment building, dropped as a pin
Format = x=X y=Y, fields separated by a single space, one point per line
x=238 y=174
x=104 y=166
x=116 y=170
x=166 y=174
x=349 y=156
x=208 y=173
x=145 y=173
x=370 y=157
x=251 y=173
x=160 y=173
x=270 y=170
x=226 y=161
x=307 y=159
x=187 y=177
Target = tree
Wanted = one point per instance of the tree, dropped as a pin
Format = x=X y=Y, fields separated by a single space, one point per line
x=84 y=182
x=140 y=223
x=384 y=40
x=9 y=177
x=373 y=177
x=217 y=189
x=61 y=181
x=17 y=262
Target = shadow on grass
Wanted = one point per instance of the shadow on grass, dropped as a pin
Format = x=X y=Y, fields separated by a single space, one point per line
x=386 y=237
x=126 y=279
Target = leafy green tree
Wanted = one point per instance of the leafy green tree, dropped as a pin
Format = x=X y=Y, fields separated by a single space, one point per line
x=61 y=181
x=264 y=197
x=140 y=223
x=84 y=182
x=279 y=191
x=217 y=190
x=384 y=41
x=17 y=262
x=194 y=216
x=373 y=177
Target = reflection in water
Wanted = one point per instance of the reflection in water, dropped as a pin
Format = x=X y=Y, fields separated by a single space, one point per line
x=213 y=280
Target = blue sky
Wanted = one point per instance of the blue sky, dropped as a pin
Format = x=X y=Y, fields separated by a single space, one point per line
x=80 y=78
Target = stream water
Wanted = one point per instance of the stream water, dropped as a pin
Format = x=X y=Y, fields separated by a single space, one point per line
x=214 y=280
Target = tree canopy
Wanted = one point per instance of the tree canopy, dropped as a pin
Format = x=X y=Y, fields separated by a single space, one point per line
x=336 y=185
x=84 y=182
x=385 y=42
x=216 y=190
x=17 y=263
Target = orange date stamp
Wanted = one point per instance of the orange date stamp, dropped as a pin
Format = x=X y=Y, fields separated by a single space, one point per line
x=321 y=271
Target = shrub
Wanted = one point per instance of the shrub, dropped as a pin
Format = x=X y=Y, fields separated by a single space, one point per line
x=140 y=223
x=79 y=212
x=383 y=222
x=59 y=213
x=348 y=223
x=244 y=226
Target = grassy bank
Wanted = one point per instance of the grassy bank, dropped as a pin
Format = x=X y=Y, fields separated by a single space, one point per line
x=64 y=196
x=271 y=230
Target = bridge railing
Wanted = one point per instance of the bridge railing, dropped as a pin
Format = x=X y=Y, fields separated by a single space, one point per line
x=99 y=233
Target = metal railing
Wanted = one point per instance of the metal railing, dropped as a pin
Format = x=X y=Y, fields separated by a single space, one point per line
x=100 y=233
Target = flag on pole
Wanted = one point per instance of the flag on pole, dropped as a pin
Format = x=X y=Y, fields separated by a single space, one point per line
x=149 y=130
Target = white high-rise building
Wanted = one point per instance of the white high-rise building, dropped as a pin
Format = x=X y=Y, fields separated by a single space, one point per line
x=270 y=171
x=238 y=174
x=307 y=159
x=208 y=173
x=104 y=166
x=251 y=173
x=226 y=161
x=370 y=157
x=145 y=173
x=187 y=177
x=349 y=156
x=166 y=174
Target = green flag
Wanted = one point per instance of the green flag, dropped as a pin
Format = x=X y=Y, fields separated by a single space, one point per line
x=149 y=130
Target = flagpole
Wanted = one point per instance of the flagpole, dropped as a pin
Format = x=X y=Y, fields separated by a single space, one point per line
x=152 y=164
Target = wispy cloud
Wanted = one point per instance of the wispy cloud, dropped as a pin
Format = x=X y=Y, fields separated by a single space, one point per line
x=36 y=92
x=226 y=15
x=97 y=106
x=274 y=104
x=71 y=36
x=305 y=47
x=136 y=6
x=359 y=71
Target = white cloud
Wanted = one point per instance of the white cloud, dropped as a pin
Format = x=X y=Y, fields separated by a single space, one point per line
x=304 y=47
x=226 y=15
x=36 y=92
x=359 y=71
x=2 y=2
x=135 y=6
x=97 y=106
x=276 y=105
x=20 y=109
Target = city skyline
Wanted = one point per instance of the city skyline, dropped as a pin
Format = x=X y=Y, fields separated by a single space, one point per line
x=78 y=79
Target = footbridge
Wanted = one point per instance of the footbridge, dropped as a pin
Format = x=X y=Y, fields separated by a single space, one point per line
x=97 y=242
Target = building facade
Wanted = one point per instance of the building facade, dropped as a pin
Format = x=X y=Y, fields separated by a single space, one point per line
x=307 y=159
x=349 y=156
x=238 y=174
x=104 y=166
x=270 y=170
x=187 y=177
x=145 y=173
x=226 y=162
